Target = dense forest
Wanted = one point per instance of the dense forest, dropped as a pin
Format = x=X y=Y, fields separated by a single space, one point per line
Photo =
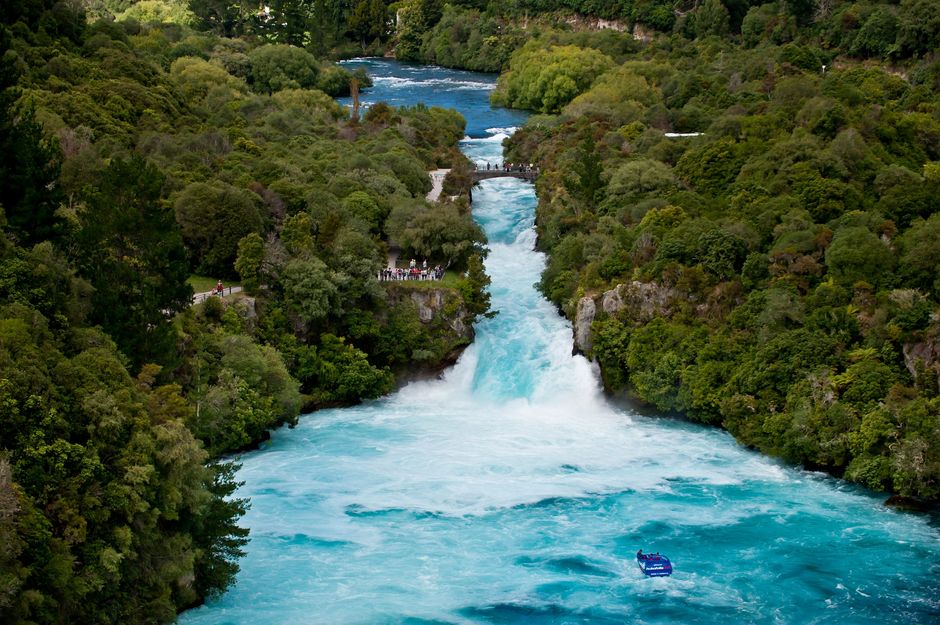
x=775 y=270
x=738 y=201
x=135 y=155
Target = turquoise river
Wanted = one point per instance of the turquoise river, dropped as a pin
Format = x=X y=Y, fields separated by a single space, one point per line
x=512 y=491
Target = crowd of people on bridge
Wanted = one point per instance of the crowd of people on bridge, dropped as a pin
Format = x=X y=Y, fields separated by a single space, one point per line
x=412 y=272
x=510 y=167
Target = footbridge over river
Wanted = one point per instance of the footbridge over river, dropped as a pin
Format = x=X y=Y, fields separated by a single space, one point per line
x=527 y=173
x=438 y=175
x=484 y=174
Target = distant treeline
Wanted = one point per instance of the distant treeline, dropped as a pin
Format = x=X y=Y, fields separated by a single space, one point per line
x=482 y=35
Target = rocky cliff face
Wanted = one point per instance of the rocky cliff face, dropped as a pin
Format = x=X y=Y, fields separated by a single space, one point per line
x=446 y=325
x=640 y=301
x=922 y=358
x=443 y=306
x=584 y=22
x=583 y=319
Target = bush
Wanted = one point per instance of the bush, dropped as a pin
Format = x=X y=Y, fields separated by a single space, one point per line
x=877 y=36
x=856 y=254
x=546 y=80
x=345 y=375
x=275 y=67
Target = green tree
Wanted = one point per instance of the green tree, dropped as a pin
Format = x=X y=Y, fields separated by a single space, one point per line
x=29 y=163
x=919 y=26
x=640 y=178
x=547 y=80
x=216 y=532
x=276 y=66
x=711 y=18
x=440 y=233
x=877 y=35
x=586 y=184
x=361 y=206
x=109 y=484
x=920 y=255
x=369 y=21
x=287 y=21
x=475 y=289
x=758 y=23
x=309 y=290
x=196 y=77
x=802 y=10
x=226 y=18
x=722 y=254
x=712 y=168
x=12 y=573
x=263 y=368
x=857 y=254
x=130 y=249
x=249 y=261
x=213 y=219
x=620 y=96
x=431 y=11
x=410 y=29
x=345 y=374
x=297 y=234
x=231 y=415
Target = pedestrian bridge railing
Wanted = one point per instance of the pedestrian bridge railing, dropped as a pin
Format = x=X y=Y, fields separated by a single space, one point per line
x=501 y=172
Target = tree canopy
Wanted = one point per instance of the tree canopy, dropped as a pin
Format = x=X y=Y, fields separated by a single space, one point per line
x=139 y=158
x=777 y=229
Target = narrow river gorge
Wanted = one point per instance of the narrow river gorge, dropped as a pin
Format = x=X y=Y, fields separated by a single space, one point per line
x=512 y=491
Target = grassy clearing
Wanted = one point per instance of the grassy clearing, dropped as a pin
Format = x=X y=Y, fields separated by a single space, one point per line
x=201 y=284
x=451 y=280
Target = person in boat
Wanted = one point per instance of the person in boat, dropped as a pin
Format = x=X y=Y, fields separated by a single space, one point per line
x=640 y=556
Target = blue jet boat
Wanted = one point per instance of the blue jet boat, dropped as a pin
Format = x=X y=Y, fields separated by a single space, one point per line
x=653 y=564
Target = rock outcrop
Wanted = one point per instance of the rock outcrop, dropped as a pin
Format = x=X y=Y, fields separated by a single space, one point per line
x=583 y=22
x=641 y=300
x=637 y=301
x=446 y=326
x=922 y=358
x=436 y=304
x=642 y=33
x=583 y=319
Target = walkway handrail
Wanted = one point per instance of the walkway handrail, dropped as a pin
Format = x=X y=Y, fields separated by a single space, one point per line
x=524 y=172
x=201 y=297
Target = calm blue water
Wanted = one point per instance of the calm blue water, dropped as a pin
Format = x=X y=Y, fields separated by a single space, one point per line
x=403 y=84
x=511 y=492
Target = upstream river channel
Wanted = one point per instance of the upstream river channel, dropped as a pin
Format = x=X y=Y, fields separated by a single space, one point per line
x=511 y=491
